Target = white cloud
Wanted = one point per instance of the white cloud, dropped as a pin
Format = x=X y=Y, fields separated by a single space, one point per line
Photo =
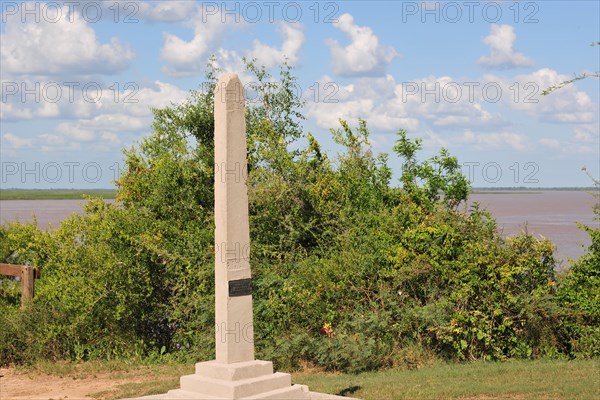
x=166 y=11
x=48 y=110
x=293 y=37
x=364 y=55
x=584 y=139
x=188 y=58
x=497 y=140
x=434 y=140
x=568 y=147
x=372 y=99
x=13 y=142
x=64 y=47
x=587 y=133
x=502 y=54
x=75 y=103
x=113 y=118
x=111 y=138
x=550 y=143
x=132 y=11
x=75 y=132
x=567 y=105
x=427 y=108
x=13 y=112
x=105 y=125
x=446 y=102
x=49 y=143
x=140 y=100
x=389 y=105
x=231 y=61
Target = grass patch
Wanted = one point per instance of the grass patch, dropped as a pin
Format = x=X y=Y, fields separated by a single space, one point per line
x=543 y=379
x=54 y=194
x=79 y=370
x=155 y=379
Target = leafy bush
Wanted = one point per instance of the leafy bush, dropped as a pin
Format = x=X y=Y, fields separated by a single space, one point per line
x=350 y=271
x=579 y=295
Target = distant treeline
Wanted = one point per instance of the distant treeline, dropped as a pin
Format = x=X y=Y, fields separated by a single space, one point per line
x=528 y=189
x=55 y=194
x=60 y=194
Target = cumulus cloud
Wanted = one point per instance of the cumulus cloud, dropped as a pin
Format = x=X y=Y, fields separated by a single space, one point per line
x=120 y=118
x=189 y=57
x=75 y=133
x=550 y=143
x=502 y=54
x=293 y=37
x=105 y=125
x=425 y=105
x=496 y=140
x=372 y=99
x=364 y=55
x=76 y=103
x=447 y=102
x=166 y=11
x=14 y=112
x=11 y=141
x=567 y=105
x=48 y=110
x=584 y=139
x=66 y=46
x=50 y=143
x=568 y=147
x=588 y=133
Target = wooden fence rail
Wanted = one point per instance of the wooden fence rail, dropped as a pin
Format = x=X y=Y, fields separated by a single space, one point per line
x=27 y=275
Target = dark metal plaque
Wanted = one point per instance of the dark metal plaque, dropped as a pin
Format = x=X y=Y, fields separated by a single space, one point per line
x=240 y=287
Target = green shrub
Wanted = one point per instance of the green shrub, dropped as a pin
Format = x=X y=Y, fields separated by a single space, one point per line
x=350 y=271
x=579 y=295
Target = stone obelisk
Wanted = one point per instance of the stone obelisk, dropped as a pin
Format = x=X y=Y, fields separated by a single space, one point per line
x=233 y=286
x=234 y=374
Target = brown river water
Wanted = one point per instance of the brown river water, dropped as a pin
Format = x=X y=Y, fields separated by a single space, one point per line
x=551 y=214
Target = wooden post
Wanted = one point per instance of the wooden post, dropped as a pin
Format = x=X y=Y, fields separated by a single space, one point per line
x=26 y=284
x=27 y=275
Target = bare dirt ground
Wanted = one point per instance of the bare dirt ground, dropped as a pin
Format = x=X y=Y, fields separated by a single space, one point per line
x=15 y=385
x=18 y=384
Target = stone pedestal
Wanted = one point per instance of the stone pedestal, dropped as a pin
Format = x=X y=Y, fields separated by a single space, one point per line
x=243 y=380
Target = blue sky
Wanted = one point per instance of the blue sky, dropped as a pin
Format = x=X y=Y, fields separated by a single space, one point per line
x=79 y=79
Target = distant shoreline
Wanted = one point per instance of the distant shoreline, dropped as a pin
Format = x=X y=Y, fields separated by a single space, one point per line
x=525 y=190
x=55 y=194
x=65 y=194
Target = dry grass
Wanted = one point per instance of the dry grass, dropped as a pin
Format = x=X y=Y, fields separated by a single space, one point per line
x=517 y=380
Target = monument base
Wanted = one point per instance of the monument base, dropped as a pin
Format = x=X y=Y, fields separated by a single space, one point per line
x=250 y=380
x=244 y=380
